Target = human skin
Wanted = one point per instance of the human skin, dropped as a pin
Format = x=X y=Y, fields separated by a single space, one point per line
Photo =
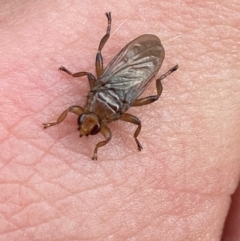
x=179 y=187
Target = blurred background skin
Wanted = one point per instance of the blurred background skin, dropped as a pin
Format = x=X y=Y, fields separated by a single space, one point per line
x=179 y=187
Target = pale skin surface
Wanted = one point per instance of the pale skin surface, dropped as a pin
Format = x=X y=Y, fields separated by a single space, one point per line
x=179 y=186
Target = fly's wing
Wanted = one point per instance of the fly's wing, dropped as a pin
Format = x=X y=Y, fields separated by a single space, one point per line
x=129 y=73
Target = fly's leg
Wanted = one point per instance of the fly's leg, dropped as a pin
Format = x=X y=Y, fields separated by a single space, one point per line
x=99 y=59
x=106 y=132
x=134 y=120
x=78 y=110
x=150 y=99
x=91 y=78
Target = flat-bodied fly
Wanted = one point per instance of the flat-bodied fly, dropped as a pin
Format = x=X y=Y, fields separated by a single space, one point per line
x=118 y=86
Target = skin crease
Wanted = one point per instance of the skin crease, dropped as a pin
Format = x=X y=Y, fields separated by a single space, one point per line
x=179 y=187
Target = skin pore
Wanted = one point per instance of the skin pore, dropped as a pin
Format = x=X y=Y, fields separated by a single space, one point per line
x=179 y=187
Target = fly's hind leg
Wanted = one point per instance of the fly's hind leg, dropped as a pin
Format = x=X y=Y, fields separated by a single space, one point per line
x=99 y=59
x=78 y=110
x=106 y=132
x=150 y=99
x=91 y=78
x=134 y=120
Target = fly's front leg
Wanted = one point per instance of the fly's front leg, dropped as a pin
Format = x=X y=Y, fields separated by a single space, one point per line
x=99 y=59
x=106 y=132
x=134 y=120
x=91 y=78
x=150 y=99
x=78 y=110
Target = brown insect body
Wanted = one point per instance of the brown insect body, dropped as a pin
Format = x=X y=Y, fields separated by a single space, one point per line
x=125 y=78
x=118 y=86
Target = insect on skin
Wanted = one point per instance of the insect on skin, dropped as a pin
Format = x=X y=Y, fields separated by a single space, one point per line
x=118 y=86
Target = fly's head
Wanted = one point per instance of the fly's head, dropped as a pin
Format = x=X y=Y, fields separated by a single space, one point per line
x=88 y=124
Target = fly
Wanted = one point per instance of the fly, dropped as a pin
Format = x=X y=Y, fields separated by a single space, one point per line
x=118 y=86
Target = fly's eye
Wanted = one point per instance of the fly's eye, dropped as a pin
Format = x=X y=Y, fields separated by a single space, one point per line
x=95 y=129
x=81 y=119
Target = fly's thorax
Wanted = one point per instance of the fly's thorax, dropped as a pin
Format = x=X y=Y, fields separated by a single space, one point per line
x=89 y=124
x=105 y=104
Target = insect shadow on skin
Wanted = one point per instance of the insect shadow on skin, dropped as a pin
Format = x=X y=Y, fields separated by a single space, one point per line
x=118 y=86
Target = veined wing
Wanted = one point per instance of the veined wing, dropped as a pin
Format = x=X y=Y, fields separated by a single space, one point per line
x=135 y=65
